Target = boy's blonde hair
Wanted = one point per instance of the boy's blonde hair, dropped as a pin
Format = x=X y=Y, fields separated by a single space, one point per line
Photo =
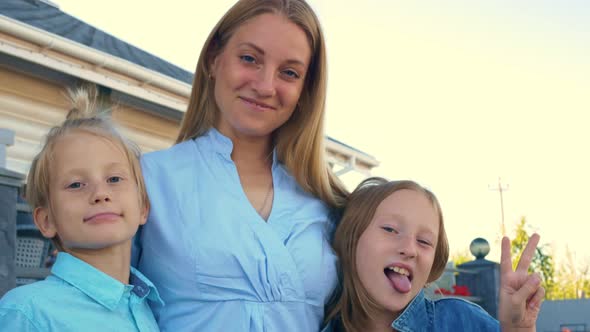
x=90 y=116
x=351 y=303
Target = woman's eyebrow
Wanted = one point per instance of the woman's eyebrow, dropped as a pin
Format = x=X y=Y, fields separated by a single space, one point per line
x=261 y=51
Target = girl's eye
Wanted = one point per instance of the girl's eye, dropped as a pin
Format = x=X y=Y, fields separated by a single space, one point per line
x=425 y=242
x=114 y=179
x=389 y=229
x=247 y=58
x=291 y=73
x=74 y=185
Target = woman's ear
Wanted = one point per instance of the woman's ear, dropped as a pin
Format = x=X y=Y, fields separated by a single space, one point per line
x=44 y=222
x=212 y=66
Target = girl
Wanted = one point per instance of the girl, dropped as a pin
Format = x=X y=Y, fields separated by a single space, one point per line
x=391 y=242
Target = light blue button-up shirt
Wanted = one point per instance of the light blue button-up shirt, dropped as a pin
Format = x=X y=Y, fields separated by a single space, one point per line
x=78 y=297
x=217 y=264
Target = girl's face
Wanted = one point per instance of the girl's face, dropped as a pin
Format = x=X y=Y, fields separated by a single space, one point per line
x=259 y=76
x=94 y=200
x=396 y=252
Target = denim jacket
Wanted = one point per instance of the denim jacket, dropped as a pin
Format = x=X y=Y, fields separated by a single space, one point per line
x=446 y=314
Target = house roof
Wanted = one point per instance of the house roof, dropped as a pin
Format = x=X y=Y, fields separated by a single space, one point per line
x=50 y=18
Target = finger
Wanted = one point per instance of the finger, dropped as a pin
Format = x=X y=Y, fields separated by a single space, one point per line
x=505 y=258
x=528 y=289
x=537 y=299
x=528 y=254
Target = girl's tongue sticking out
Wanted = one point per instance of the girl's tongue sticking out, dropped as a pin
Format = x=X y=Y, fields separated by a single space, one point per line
x=399 y=279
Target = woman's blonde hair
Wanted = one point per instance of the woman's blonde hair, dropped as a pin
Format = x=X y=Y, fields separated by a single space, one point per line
x=300 y=141
x=351 y=304
x=90 y=116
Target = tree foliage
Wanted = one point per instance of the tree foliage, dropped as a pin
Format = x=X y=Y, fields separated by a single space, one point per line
x=461 y=257
x=573 y=280
x=542 y=262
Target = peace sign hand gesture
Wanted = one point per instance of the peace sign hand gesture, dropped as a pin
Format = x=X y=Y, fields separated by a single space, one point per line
x=521 y=294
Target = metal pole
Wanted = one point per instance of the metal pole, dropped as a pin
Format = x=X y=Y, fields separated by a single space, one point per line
x=501 y=190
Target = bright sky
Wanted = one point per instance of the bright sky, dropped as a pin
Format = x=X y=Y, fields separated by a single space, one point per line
x=452 y=94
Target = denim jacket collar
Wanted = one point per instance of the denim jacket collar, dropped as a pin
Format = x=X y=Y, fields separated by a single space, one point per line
x=418 y=316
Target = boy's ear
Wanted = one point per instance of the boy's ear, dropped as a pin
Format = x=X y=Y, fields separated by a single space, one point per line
x=145 y=211
x=44 y=222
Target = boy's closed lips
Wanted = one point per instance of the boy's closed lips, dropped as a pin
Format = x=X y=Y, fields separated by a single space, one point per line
x=102 y=217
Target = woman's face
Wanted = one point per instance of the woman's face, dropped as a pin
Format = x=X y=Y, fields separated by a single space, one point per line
x=395 y=253
x=259 y=76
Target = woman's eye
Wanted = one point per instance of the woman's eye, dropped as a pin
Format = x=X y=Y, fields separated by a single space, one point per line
x=74 y=185
x=247 y=58
x=114 y=179
x=291 y=73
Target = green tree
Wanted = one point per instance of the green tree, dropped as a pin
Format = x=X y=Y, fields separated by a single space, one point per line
x=573 y=279
x=461 y=257
x=542 y=261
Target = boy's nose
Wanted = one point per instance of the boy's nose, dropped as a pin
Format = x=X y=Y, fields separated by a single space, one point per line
x=101 y=194
x=102 y=197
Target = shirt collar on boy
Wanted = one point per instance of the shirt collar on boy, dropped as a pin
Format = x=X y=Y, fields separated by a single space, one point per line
x=99 y=286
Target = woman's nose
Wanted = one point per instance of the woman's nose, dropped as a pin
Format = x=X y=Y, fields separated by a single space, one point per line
x=265 y=83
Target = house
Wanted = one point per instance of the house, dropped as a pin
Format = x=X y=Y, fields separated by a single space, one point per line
x=564 y=315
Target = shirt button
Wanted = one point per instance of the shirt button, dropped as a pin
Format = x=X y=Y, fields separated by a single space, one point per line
x=140 y=290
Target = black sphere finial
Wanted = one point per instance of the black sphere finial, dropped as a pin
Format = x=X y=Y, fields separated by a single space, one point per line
x=479 y=248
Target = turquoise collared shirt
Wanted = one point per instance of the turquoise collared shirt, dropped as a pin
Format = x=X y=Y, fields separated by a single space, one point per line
x=78 y=297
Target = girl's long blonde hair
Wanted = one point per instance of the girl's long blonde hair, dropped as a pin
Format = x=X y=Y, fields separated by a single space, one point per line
x=300 y=141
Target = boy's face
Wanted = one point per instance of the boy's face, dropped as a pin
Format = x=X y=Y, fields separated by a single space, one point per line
x=395 y=253
x=94 y=199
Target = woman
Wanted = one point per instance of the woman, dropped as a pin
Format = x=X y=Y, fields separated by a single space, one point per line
x=238 y=232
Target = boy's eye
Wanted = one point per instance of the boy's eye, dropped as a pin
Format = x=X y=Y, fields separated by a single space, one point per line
x=114 y=179
x=247 y=58
x=389 y=229
x=74 y=185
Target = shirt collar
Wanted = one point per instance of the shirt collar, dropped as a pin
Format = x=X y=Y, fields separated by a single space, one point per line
x=217 y=142
x=99 y=286
x=418 y=316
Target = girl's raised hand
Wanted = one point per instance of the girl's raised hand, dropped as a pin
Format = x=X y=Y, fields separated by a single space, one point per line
x=521 y=294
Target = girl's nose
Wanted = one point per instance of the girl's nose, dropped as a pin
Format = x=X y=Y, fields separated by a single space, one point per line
x=407 y=246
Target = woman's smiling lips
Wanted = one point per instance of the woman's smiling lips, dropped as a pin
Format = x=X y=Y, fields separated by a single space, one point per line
x=257 y=105
x=102 y=217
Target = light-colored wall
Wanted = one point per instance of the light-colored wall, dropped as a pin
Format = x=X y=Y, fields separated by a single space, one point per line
x=555 y=314
x=30 y=106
